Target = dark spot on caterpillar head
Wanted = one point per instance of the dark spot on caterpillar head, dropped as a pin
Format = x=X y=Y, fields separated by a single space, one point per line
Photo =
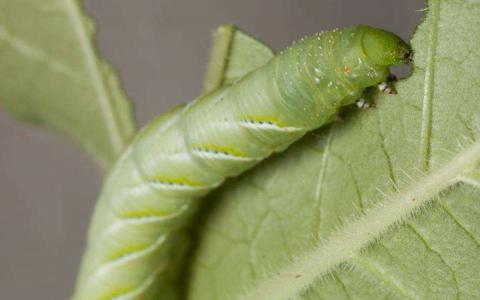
x=342 y=116
x=392 y=77
x=298 y=275
x=409 y=56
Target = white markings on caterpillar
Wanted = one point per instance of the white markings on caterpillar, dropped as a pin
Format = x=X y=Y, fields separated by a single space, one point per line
x=129 y=221
x=174 y=186
x=141 y=288
x=214 y=154
x=269 y=126
x=107 y=266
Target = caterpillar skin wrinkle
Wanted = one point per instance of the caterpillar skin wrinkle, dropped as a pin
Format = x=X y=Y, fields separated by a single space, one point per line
x=136 y=233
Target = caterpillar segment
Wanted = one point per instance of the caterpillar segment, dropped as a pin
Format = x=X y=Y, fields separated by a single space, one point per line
x=136 y=233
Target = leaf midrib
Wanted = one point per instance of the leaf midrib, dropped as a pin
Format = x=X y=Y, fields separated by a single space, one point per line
x=112 y=120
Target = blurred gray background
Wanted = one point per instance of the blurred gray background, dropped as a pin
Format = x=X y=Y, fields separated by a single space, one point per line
x=48 y=186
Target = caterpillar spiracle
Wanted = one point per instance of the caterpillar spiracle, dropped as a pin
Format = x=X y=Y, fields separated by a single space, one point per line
x=181 y=156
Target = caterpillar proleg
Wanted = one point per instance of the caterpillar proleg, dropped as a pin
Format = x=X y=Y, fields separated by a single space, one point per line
x=184 y=154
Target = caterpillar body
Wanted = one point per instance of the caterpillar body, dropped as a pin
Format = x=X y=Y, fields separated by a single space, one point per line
x=181 y=156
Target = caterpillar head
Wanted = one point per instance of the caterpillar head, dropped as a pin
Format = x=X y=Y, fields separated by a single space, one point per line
x=383 y=48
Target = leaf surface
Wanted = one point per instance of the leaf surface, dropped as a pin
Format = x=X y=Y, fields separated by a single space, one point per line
x=234 y=54
x=263 y=224
x=50 y=74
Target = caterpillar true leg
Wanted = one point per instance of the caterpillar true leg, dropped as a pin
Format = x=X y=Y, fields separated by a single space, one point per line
x=363 y=103
x=387 y=86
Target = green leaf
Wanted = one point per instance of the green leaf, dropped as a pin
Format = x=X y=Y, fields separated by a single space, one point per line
x=50 y=74
x=234 y=54
x=345 y=213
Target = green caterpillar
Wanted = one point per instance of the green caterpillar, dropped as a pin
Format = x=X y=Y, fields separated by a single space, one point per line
x=183 y=155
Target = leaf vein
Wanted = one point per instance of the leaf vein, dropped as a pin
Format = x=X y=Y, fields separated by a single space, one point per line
x=380 y=277
x=36 y=54
x=459 y=224
x=428 y=91
x=438 y=254
x=320 y=183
